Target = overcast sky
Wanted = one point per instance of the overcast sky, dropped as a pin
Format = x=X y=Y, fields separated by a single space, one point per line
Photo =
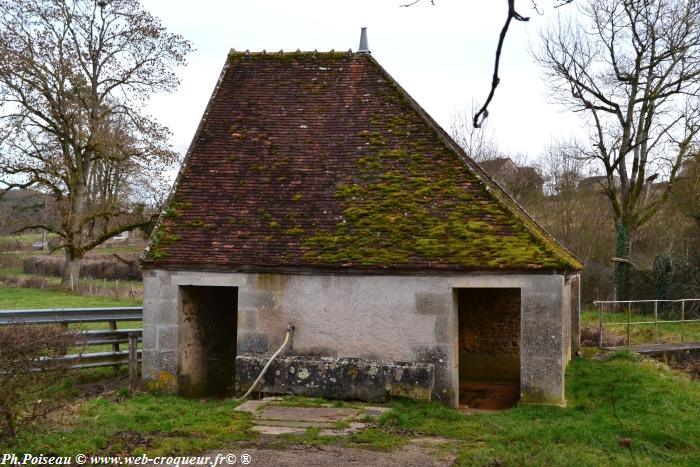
x=442 y=55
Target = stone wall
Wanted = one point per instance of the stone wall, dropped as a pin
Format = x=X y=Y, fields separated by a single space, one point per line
x=574 y=284
x=543 y=350
x=489 y=321
x=382 y=317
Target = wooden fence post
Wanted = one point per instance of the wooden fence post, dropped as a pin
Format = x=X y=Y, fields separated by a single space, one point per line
x=115 y=346
x=133 y=363
x=600 y=326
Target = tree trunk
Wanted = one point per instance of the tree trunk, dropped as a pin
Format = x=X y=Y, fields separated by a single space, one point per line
x=622 y=267
x=71 y=270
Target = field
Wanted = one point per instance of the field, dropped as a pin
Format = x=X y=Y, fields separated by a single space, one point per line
x=14 y=250
x=18 y=298
x=645 y=333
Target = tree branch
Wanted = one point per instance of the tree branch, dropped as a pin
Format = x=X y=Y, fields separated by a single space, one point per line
x=483 y=112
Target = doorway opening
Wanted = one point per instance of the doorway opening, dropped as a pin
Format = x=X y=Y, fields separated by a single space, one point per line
x=207 y=340
x=489 y=347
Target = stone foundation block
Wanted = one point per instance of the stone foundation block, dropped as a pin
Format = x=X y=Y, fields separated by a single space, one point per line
x=337 y=378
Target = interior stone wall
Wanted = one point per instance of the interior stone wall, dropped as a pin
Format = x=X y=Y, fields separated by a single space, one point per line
x=489 y=334
x=207 y=340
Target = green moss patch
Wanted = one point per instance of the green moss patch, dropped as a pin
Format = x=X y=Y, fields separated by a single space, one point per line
x=407 y=207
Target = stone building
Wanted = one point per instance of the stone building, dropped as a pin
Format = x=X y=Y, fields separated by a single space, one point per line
x=317 y=192
x=520 y=182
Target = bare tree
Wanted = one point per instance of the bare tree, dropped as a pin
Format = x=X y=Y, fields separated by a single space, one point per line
x=631 y=68
x=480 y=115
x=686 y=192
x=74 y=76
x=574 y=213
x=479 y=143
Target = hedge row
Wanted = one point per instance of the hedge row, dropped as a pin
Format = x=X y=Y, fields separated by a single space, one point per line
x=107 y=267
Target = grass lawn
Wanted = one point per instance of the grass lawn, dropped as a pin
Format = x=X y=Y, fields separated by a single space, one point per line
x=25 y=237
x=117 y=424
x=158 y=425
x=608 y=401
x=18 y=298
x=622 y=397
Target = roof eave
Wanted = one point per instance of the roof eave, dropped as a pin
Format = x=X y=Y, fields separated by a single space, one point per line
x=351 y=270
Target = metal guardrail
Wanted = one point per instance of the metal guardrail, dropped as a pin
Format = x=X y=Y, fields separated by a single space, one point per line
x=628 y=304
x=112 y=336
x=71 y=315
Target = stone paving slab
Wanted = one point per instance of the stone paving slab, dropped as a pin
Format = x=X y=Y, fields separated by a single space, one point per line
x=375 y=412
x=272 y=419
x=292 y=423
x=353 y=428
x=306 y=414
x=278 y=430
x=251 y=406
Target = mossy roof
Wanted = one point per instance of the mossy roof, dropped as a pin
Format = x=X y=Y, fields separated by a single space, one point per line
x=321 y=160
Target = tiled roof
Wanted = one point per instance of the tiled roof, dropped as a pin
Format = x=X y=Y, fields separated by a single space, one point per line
x=320 y=160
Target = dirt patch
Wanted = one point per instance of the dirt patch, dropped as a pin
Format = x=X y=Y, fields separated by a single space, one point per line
x=413 y=455
x=692 y=368
x=124 y=442
x=590 y=337
x=488 y=395
x=99 y=388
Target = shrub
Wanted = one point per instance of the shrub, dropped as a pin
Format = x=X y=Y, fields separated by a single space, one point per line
x=42 y=265
x=29 y=365
x=596 y=283
x=104 y=267
x=10 y=259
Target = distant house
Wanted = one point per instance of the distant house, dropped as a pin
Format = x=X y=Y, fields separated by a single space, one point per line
x=317 y=192
x=518 y=181
x=125 y=238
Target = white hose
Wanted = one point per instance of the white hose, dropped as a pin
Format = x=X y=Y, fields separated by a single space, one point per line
x=290 y=329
